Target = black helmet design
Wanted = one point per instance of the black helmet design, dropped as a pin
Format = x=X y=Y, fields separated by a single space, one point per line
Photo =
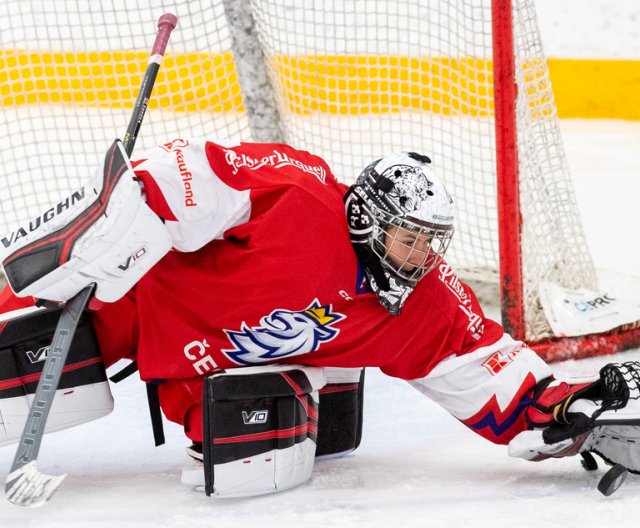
x=400 y=214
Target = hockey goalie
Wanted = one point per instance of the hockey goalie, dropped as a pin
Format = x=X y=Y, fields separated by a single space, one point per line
x=251 y=288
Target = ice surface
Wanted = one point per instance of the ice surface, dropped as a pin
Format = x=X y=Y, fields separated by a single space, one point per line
x=416 y=467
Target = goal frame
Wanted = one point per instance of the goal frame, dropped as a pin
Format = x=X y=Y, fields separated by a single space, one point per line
x=510 y=216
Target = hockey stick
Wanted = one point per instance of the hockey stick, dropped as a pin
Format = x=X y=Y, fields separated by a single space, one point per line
x=25 y=485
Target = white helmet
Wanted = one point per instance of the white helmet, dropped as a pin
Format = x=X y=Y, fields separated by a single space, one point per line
x=403 y=213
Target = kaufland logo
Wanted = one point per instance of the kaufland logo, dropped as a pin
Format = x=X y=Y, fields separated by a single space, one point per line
x=176 y=147
x=176 y=144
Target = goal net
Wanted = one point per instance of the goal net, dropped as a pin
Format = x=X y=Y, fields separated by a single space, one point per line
x=350 y=80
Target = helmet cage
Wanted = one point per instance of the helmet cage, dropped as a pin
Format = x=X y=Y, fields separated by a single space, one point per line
x=412 y=258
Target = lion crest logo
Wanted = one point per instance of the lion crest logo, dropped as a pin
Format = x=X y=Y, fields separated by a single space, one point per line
x=284 y=334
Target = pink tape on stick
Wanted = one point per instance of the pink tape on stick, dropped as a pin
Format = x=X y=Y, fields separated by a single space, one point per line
x=166 y=24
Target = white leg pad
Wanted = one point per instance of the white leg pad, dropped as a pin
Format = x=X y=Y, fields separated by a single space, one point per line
x=260 y=429
x=70 y=407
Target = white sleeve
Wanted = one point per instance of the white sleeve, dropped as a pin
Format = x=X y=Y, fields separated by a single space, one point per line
x=201 y=207
x=487 y=388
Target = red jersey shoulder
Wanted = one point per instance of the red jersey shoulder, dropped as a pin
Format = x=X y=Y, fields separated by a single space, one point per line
x=461 y=296
x=457 y=303
x=254 y=165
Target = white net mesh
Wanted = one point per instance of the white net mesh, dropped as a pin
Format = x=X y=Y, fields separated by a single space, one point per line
x=354 y=80
x=554 y=246
x=69 y=75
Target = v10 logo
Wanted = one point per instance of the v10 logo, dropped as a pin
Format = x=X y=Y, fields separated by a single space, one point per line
x=40 y=355
x=133 y=258
x=255 y=417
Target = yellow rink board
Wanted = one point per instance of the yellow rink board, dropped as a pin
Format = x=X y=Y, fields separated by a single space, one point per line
x=334 y=84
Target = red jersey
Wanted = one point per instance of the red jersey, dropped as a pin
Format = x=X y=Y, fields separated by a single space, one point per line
x=263 y=271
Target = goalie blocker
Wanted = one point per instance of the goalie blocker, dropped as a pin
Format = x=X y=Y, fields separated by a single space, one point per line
x=264 y=426
x=83 y=394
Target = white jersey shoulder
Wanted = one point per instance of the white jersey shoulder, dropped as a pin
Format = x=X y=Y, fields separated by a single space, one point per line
x=203 y=206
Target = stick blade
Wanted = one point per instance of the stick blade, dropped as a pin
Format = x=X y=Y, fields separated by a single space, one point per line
x=26 y=486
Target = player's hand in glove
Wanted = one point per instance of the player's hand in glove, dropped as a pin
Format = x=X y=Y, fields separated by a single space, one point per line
x=104 y=234
x=601 y=416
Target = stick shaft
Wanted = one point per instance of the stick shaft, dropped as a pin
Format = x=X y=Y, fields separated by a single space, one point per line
x=49 y=380
x=166 y=24
x=29 y=488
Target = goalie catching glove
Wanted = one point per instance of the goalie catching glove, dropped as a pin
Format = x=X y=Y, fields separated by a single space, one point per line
x=601 y=416
x=104 y=234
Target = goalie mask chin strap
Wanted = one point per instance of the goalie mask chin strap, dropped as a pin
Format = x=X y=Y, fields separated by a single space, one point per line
x=392 y=292
x=392 y=298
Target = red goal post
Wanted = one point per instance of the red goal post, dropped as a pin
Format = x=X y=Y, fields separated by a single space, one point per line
x=510 y=217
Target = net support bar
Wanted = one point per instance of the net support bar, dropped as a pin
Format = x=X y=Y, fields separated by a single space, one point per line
x=258 y=93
